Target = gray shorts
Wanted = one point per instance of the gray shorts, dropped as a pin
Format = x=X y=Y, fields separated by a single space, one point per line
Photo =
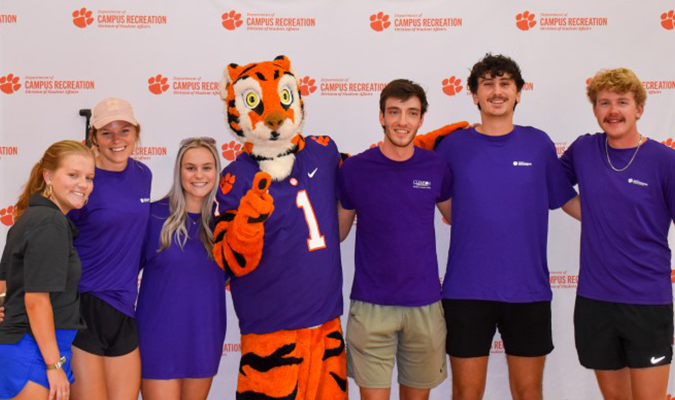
x=412 y=336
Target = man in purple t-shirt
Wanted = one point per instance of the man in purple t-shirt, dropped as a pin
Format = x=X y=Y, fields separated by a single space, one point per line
x=506 y=179
x=623 y=317
x=395 y=311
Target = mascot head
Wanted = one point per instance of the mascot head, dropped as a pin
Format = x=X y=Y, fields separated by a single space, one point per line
x=265 y=111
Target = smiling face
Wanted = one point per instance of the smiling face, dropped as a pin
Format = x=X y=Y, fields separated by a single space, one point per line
x=116 y=142
x=617 y=115
x=72 y=182
x=198 y=176
x=496 y=96
x=401 y=120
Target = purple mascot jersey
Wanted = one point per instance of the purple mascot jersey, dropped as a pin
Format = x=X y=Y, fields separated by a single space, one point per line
x=298 y=283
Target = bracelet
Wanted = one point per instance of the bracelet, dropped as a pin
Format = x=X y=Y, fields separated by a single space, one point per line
x=58 y=364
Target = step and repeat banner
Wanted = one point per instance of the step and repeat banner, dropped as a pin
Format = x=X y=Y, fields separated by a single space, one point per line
x=166 y=57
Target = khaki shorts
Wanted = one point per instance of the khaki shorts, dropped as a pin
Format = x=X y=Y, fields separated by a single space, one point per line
x=413 y=336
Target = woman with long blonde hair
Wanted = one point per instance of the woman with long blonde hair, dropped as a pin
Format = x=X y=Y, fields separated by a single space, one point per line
x=181 y=305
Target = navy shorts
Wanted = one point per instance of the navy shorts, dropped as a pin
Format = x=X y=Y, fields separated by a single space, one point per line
x=22 y=362
x=109 y=332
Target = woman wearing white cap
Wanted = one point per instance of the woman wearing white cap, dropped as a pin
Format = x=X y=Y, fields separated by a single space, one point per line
x=106 y=359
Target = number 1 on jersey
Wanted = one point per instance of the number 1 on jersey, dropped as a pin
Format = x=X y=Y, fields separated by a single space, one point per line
x=316 y=240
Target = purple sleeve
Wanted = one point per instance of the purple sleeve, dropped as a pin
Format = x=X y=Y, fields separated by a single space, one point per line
x=560 y=189
x=343 y=192
x=446 y=185
x=567 y=161
x=233 y=186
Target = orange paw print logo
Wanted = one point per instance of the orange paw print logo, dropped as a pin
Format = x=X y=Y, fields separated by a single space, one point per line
x=232 y=20
x=82 y=18
x=668 y=20
x=588 y=81
x=452 y=86
x=379 y=21
x=322 y=140
x=7 y=216
x=226 y=183
x=158 y=84
x=231 y=150
x=672 y=275
x=307 y=86
x=9 y=84
x=525 y=21
x=378 y=144
x=669 y=143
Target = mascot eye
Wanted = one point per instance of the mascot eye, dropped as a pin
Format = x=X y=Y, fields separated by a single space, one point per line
x=286 y=97
x=252 y=99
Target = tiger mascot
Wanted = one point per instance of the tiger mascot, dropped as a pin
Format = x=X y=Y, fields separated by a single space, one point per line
x=277 y=237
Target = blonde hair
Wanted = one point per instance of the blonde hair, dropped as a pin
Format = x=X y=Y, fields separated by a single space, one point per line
x=174 y=226
x=620 y=80
x=50 y=161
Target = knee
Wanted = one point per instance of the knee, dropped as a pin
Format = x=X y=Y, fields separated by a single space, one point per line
x=467 y=393
x=528 y=394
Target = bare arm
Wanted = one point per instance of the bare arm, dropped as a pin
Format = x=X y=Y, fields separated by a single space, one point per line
x=446 y=210
x=573 y=208
x=345 y=220
x=41 y=318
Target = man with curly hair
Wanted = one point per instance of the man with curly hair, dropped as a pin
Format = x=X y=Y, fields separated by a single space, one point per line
x=506 y=179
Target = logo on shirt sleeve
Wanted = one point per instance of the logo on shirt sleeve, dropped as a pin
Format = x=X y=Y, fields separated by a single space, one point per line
x=522 y=164
x=145 y=199
x=420 y=184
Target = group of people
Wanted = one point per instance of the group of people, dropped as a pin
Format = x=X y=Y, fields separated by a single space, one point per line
x=85 y=228
x=71 y=264
x=495 y=183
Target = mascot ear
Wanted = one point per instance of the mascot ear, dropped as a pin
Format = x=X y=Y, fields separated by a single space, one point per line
x=283 y=62
x=229 y=75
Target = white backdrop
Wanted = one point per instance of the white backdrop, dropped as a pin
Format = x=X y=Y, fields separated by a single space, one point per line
x=166 y=57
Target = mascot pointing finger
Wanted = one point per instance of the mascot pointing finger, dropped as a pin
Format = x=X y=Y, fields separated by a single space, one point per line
x=277 y=236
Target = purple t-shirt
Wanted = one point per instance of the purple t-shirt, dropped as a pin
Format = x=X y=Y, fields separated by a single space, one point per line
x=503 y=189
x=112 y=227
x=395 y=204
x=298 y=283
x=626 y=215
x=181 y=305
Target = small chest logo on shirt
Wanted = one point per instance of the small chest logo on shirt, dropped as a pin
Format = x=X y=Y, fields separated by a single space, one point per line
x=637 y=182
x=145 y=199
x=420 y=184
x=522 y=164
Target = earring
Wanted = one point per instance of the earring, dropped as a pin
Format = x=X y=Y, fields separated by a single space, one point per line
x=47 y=193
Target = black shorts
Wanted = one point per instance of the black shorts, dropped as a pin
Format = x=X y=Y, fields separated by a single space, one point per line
x=612 y=336
x=109 y=332
x=525 y=327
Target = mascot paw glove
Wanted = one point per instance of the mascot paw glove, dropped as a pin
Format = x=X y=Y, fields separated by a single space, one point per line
x=430 y=140
x=240 y=250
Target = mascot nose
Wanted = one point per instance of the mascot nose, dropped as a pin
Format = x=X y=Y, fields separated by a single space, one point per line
x=274 y=120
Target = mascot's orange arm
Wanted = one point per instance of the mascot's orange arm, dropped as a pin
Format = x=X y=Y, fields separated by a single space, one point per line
x=239 y=233
x=430 y=140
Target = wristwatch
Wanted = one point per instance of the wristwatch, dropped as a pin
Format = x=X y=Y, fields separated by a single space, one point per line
x=58 y=364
